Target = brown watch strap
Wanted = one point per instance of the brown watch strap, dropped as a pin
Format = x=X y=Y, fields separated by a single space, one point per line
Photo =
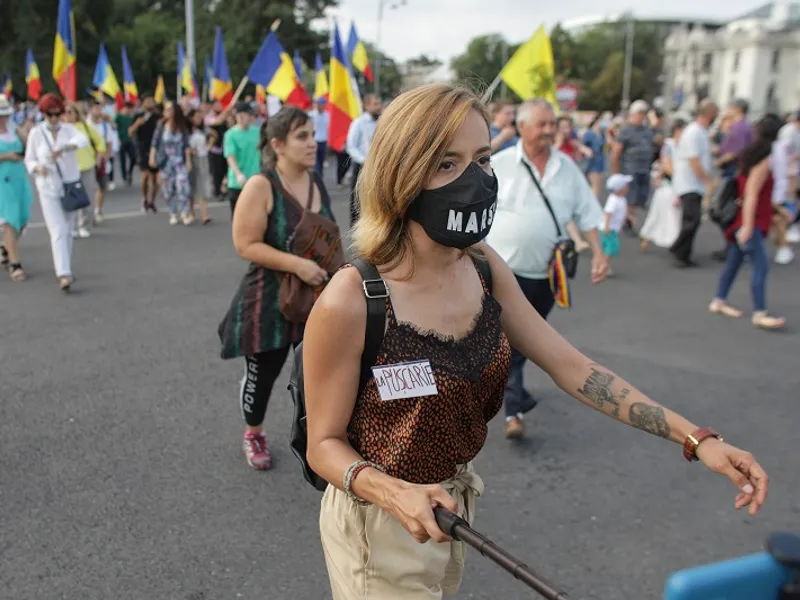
x=693 y=441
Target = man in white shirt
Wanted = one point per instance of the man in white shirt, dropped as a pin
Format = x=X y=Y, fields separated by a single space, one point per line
x=524 y=233
x=692 y=179
x=322 y=121
x=359 y=139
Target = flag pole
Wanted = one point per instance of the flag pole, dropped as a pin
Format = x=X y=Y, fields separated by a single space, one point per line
x=487 y=95
x=273 y=28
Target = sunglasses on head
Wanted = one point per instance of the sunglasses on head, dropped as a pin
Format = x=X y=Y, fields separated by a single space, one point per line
x=54 y=114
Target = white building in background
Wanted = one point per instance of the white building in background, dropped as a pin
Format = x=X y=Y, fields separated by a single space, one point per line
x=755 y=57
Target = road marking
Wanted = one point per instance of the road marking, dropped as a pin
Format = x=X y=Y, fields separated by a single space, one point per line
x=123 y=215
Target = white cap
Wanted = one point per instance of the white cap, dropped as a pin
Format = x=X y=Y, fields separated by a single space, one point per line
x=639 y=106
x=6 y=110
x=618 y=181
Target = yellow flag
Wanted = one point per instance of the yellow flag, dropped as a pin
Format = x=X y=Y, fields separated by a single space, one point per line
x=530 y=72
x=160 y=94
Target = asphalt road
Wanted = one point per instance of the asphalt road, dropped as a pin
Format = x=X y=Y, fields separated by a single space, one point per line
x=122 y=476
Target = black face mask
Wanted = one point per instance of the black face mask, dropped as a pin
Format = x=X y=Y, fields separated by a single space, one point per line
x=459 y=214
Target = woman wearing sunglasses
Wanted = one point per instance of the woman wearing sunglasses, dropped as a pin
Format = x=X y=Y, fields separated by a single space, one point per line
x=51 y=160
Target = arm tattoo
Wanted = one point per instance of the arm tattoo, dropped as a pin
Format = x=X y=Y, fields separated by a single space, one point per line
x=649 y=418
x=597 y=388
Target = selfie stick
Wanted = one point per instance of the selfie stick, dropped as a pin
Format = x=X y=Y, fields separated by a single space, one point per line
x=458 y=529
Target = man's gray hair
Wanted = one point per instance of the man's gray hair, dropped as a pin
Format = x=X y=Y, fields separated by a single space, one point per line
x=525 y=110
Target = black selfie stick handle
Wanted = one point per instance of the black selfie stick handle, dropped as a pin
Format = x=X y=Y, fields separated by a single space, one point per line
x=458 y=529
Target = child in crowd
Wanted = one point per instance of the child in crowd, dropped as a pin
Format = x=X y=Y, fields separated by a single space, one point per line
x=615 y=211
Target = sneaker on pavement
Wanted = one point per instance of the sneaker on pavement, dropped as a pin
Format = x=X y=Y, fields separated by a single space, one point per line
x=187 y=219
x=255 y=451
x=514 y=428
x=793 y=234
x=784 y=256
x=112 y=186
x=98 y=217
x=173 y=219
x=83 y=232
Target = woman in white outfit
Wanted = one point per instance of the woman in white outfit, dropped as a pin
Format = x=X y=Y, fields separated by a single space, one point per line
x=50 y=158
x=663 y=222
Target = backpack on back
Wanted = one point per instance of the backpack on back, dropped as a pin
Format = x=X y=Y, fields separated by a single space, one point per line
x=725 y=204
x=375 y=292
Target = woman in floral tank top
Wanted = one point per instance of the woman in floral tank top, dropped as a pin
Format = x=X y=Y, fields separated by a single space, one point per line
x=405 y=442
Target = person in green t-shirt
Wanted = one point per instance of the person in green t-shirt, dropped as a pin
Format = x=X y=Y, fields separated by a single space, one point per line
x=240 y=148
x=127 y=149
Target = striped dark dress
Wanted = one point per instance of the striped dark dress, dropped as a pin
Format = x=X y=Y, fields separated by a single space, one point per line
x=254 y=322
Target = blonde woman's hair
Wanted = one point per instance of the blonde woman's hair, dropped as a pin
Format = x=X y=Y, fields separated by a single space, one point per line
x=412 y=137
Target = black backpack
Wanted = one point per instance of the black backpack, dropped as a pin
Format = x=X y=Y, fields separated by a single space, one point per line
x=376 y=292
x=725 y=205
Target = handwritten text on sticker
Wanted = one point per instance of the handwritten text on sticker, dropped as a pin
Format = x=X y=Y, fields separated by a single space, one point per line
x=405 y=380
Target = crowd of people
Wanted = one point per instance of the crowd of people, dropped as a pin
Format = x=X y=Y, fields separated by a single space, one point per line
x=472 y=219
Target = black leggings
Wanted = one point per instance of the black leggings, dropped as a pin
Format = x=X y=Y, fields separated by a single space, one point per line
x=260 y=372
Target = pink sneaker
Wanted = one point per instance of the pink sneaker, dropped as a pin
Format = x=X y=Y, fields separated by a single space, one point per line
x=255 y=451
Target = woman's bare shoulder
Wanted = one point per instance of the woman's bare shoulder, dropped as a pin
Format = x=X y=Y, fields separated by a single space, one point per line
x=338 y=319
x=344 y=296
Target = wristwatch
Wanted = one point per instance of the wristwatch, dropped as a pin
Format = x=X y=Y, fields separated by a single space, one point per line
x=694 y=439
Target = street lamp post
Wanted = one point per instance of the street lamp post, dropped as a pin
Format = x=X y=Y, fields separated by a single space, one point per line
x=378 y=60
x=190 y=50
x=626 y=80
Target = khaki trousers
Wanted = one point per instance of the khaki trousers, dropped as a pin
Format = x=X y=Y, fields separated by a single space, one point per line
x=370 y=556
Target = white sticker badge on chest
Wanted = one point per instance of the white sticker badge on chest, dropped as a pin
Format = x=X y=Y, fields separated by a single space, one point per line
x=405 y=380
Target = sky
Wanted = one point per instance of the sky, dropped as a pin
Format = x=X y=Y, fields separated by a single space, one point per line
x=443 y=28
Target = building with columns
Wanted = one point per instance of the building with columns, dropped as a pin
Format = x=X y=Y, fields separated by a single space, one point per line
x=755 y=57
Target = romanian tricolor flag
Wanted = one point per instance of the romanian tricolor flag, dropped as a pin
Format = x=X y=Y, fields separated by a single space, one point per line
x=358 y=53
x=343 y=103
x=8 y=87
x=320 y=80
x=65 y=71
x=128 y=82
x=160 y=95
x=185 y=74
x=273 y=69
x=559 y=282
x=221 y=85
x=104 y=78
x=261 y=95
x=32 y=77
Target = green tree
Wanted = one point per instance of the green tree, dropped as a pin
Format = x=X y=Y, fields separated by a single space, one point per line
x=604 y=92
x=482 y=61
x=565 y=53
x=391 y=77
x=151 y=30
x=598 y=51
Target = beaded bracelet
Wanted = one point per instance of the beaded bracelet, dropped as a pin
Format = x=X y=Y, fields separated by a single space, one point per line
x=350 y=475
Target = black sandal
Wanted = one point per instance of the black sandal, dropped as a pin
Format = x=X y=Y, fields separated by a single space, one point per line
x=4 y=260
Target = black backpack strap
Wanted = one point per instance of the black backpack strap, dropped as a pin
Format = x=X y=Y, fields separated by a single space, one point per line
x=376 y=292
